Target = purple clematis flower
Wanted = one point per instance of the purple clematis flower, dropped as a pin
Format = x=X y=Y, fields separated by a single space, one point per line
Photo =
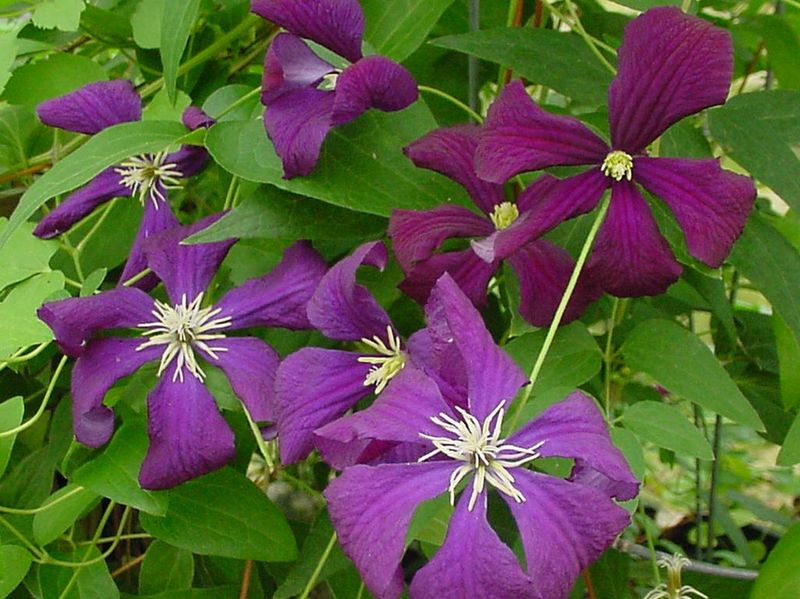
x=564 y=525
x=188 y=436
x=307 y=96
x=671 y=65
x=93 y=108
x=543 y=269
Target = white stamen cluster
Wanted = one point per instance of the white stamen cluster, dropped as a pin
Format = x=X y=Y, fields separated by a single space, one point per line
x=618 y=165
x=391 y=360
x=504 y=215
x=485 y=453
x=181 y=328
x=142 y=175
x=673 y=589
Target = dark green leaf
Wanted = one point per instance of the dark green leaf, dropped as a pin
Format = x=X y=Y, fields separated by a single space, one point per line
x=788 y=348
x=218 y=592
x=14 y=564
x=91 y=582
x=52 y=522
x=790 y=452
x=665 y=426
x=54 y=76
x=395 y=29
x=176 y=26
x=780 y=576
x=11 y=413
x=783 y=48
x=165 y=568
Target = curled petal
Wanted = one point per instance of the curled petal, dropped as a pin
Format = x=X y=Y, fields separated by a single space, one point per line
x=194 y=118
x=93 y=107
x=470 y=272
x=155 y=220
x=290 y=64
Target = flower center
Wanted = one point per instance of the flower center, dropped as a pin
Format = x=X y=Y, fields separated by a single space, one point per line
x=329 y=81
x=504 y=215
x=147 y=174
x=482 y=450
x=618 y=165
x=673 y=589
x=385 y=366
x=181 y=328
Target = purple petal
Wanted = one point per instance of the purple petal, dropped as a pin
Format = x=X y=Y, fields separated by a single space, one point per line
x=195 y=118
x=671 y=65
x=297 y=123
x=492 y=376
x=81 y=203
x=470 y=272
x=188 y=436
x=416 y=234
x=77 y=319
x=472 y=562
x=564 y=527
x=536 y=193
x=372 y=82
x=279 y=298
x=575 y=428
x=336 y=24
x=710 y=203
x=344 y=310
x=188 y=160
x=371 y=508
x=250 y=365
x=451 y=152
x=155 y=220
x=93 y=107
x=630 y=257
x=104 y=362
x=543 y=270
x=185 y=269
x=290 y=64
x=519 y=136
x=442 y=362
x=313 y=387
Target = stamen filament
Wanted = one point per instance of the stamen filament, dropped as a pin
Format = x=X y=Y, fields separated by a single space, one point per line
x=147 y=174
x=390 y=361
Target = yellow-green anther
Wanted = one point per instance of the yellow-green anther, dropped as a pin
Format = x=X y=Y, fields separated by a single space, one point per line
x=504 y=215
x=618 y=165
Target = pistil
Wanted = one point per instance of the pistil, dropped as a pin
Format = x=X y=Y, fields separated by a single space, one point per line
x=388 y=364
x=618 y=165
x=674 y=589
x=147 y=174
x=504 y=215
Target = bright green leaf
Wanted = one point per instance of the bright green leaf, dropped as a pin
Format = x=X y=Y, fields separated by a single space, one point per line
x=161 y=108
x=631 y=448
x=58 y=14
x=24 y=256
x=93 y=281
x=146 y=23
x=21 y=326
x=665 y=426
x=788 y=348
x=176 y=26
x=395 y=29
x=779 y=576
x=783 y=47
x=52 y=522
x=58 y=74
x=790 y=452
x=91 y=582
x=11 y=413
x=165 y=568
x=14 y=564
x=8 y=52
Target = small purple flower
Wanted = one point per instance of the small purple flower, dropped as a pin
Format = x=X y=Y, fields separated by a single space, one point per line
x=93 y=108
x=671 y=65
x=305 y=95
x=564 y=525
x=543 y=269
x=188 y=436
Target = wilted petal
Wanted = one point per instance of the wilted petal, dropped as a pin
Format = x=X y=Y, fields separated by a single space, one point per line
x=156 y=219
x=188 y=436
x=77 y=319
x=371 y=508
x=290 y=64
x=336 y=24
x=472 y=562
x=93 y=107
x=81 y=203
x=671 y=65
x=104 y=362
x=470 y=272
x=279 y=298
x=710 y=203
x=194 y=117
x=416 y=234
x=519 y=136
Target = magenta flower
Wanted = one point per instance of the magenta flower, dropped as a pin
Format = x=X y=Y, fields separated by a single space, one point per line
x=93 y=108
x=543 y=269
x=307 y=96
x=188 y=436
x=671 y=65
x=564 y=525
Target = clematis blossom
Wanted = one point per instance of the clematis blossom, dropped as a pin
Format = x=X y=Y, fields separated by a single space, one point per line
x=671 y=65
x=306 y=96
x=543 y=269
x=148 y=177
x=564 y=525
x=188 y=436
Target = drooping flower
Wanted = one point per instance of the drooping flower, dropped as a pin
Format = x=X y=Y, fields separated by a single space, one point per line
x=307 y=96
x=148 y=177
x=543 y=269
x=188 y=436
x=674 y=587
x=671 y=65
x=564 y=525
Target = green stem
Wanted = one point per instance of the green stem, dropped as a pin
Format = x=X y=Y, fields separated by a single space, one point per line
x=94 y=542
x=455 y=101
x=608 y=357
x=232 y=190
x=82 y=244
x=712 y=492
x=590 y=40
x=234 y=105
x=562 y=307
x=262 y=446
x=40 y=411
x=472 y=60
x=137 y=277
x=312 y=582
x=17 y=357
x=28 y=545
x=360 y=591
x=43 y=508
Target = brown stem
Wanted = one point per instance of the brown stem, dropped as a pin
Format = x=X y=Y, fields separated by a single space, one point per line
x=587 y=579
x=518 y=10
x=129 y=566
x=248 y=570
x=537 y=13
x=751 y=66
x=31 y=170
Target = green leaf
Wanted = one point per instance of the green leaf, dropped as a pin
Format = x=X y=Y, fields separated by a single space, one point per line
x=161 y=108
x=14 y=565
x=176 y=26
x=773 y=265
x=790 y=452
x=25 y=256
x=52 y=522
x=58 y=74
x=761 y=131
x=682 y=363
x=91 y=582
x=218 y=592
x=395 y=29
x=643 y=5
x=362 y=166
x=783 y=48
x=780 y=576
x=93 y=281
x=58 y=14
x=21 y=326
x=165 y=568
x=114 y=473
x=11 y=413
x=665 y=426
x=788 y=348
x=224 y=514
x=8 y=52
x=146 y=23
x=108 y=147
x=271 y=213
x=560 y=61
